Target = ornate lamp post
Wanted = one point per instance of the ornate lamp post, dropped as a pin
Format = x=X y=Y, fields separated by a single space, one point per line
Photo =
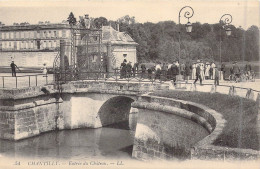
x=187 y=14
x=226 y=19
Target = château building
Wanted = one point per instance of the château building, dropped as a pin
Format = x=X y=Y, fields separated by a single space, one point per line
x=32 y=45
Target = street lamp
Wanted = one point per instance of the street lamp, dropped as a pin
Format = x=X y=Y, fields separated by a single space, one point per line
x=226 y=19
x=187 y=14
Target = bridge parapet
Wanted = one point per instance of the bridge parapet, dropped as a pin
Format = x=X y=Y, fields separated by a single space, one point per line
x=103 y=86
x=160 y=136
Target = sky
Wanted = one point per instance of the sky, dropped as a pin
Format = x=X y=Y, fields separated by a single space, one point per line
x=245 y=13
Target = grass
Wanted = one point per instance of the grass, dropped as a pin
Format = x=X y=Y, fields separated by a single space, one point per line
x=240 y=113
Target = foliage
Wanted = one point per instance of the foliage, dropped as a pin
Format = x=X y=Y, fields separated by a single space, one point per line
x=240 y=114
x=71 y=19
x=160 y=41
x=99 y=22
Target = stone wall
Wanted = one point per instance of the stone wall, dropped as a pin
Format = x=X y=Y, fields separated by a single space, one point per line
x=202 y=149
x=162 y=135
x=29 y=119
x=169 y=128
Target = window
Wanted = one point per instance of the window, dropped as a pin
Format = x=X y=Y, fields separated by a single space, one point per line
x=125 y=55
x=64 y=33
x=17 y=35
x=7 y=35
x=55 y=34
x=26 y=34
x=11 y=35
x=38 y=34
x=22 y=34
x=26 y=45
x=45 y=34
x=38 y=44
x=31 y=44
x=54 y=44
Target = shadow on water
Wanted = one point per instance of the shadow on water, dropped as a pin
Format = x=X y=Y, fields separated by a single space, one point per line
x=128 y=150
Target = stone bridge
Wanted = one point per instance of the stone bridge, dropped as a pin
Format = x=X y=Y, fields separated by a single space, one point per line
x=166 y=128
x=30 y=111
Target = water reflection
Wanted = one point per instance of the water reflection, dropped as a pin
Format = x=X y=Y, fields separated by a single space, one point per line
x=110 y=142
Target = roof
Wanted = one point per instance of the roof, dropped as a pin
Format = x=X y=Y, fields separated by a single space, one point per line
x=115 y=37
x=35 y=27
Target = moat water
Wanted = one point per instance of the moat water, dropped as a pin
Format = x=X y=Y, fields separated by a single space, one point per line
x=110 y=142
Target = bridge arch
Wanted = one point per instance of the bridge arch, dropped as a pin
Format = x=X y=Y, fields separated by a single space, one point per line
x=115 y=110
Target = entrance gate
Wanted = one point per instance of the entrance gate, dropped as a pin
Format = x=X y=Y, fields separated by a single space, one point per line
x=80 y=55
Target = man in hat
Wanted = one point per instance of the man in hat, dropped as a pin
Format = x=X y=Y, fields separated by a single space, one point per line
x=217 y=74
x=198 y=75
x=13 y=66
x=174 y=72
x=129 y=69
x=123 y=69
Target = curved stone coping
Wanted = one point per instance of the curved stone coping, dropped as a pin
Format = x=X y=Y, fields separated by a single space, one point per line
x=208 y=118
x=205 y=149
x=176 y=111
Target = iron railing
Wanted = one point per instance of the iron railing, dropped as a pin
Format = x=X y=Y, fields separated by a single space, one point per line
x=116 y=75
x=24 y=81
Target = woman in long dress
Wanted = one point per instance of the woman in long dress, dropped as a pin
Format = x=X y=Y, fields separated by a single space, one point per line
x=202 y=68
x=213 y=67
x=207 y=71
x=193 y=74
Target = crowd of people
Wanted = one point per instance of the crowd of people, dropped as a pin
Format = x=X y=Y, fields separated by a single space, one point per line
x=199 y=70
x=169 y=71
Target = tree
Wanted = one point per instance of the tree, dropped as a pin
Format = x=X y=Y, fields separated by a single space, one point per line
x=101 y=21
x=71 y=19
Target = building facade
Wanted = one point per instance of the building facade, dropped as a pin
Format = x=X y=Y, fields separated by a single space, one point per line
x=30 y=46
